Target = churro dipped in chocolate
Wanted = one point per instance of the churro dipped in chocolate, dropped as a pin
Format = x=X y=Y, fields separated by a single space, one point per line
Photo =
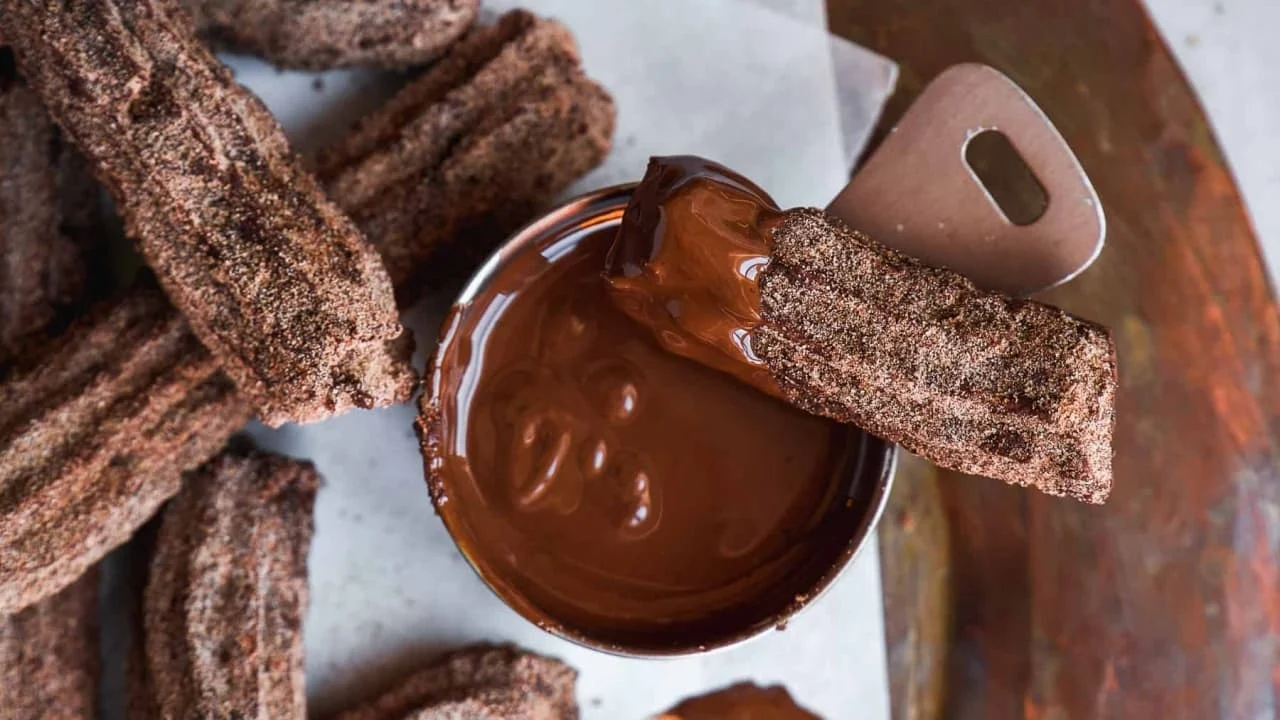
x=799 y=305
x=272 y=278
x=48 y=218
x=324 y=34
x=480 y=683
x=49 y=656
x=227 y=590
x=95 y=437
x=744 y=701
x=472 y=149
x=165 y=407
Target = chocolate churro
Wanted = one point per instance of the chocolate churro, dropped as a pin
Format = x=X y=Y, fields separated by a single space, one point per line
x=472 y=149
x=480 y=683
x=744 y=701
x=48 y=218
x=805 y=308
x=227 y=591
x=324 y=34
x=276 y=281
x=49 y=656
x=95 y=437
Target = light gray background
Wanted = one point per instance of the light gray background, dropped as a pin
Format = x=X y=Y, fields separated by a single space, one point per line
x=1230 y=51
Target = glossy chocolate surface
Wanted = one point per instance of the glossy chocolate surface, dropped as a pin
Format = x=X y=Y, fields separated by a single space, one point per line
x=684 y=264
x=618 y=494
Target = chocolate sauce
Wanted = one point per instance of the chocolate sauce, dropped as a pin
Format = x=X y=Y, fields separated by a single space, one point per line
x=685 y=261
x=615 y=492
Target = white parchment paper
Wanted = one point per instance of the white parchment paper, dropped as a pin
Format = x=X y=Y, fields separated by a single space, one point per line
x=727 y=79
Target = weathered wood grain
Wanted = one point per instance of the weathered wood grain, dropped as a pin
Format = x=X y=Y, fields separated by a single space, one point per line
x=1165 y=602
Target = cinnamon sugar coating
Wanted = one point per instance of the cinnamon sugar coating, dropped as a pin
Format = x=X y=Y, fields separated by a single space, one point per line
x=471 y=150
x=48 y=219
x=95 y=436
x=276 y=281
x=49 y=656
x=324 y=34
x=165 y=407
x=483 y=682
x=973 y=381
x=227 y=591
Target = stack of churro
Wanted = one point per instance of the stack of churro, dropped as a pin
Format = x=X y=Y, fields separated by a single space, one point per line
x=273 y=297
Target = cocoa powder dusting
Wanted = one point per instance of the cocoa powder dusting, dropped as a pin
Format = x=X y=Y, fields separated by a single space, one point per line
x=227 y=591
x=973 y=381
x=49 y=219
x=95 y=437
x=49 y=656
x=470 y=151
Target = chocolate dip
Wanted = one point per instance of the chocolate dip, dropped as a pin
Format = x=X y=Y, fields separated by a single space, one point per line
x=685 y=261
x=616 y=493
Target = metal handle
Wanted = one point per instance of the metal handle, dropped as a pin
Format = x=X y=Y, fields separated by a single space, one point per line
x=917 y=193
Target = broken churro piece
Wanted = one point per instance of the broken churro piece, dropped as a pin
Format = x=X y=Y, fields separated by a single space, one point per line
x=480 y=683
x=227 y=591
x=46 y=202
x=324 y=34
x=800 y=306
x=271 y=276
x=95 y=437
x=49 y=656
x=472 y=149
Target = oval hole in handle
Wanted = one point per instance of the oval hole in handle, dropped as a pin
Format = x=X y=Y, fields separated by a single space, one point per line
x=1009 y=183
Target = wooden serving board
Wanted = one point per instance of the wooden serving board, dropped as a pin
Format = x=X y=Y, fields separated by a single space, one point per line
x=1164 y=603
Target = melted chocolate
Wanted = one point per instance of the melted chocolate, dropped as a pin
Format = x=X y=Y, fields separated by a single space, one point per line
x=685 y=261
x=615 y=492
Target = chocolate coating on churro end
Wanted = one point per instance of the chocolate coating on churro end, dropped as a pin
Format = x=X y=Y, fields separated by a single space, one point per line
x=481 y=683
x=471 y=150
x=49 y=656
x=971 y=380
x=272 y=277
x=94 y=436
x=227 y=591
x=326 y=34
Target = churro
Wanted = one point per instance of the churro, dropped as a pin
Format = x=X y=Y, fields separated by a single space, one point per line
x=95 y=437
x=227 y=590
x=48 y=219
x=272 y=277
x=324 y=34
x=49 y=656
x=471 y=150
x=480 y=683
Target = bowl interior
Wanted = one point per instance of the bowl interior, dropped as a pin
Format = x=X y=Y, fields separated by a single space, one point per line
x=849 y=521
